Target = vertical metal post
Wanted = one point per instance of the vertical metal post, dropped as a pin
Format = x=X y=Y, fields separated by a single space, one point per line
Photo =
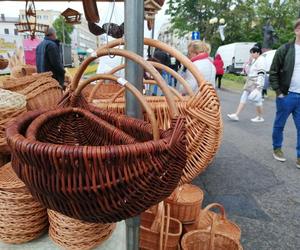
x=134 y=41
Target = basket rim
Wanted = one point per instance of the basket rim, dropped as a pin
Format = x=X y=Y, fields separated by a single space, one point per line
x=14 y=137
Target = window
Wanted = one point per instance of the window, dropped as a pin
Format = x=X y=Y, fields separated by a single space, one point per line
x=6 y=31
x=45 y=17
x=16 y=32
x=23 y=17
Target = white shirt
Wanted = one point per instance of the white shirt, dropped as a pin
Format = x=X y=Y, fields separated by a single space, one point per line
x=206 y=68
x=257 y=70
x=295 y=82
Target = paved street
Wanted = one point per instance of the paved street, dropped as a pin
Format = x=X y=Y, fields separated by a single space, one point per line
x=260 y=194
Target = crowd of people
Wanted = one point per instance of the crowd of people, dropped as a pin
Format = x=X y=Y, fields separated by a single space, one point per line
x=283 y=77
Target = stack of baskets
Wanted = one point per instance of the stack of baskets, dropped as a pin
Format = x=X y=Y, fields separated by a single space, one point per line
x=11 y=105
x=41 y=90
x=74 y=234
x=22 y=219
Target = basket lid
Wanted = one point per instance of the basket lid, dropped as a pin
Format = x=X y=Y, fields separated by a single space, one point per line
x=8 y=178
x=187 y=193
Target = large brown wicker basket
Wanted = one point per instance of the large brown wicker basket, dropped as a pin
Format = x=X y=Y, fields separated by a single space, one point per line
x=74 y=234
x=82 y=175
x=202 y=111
x=21 y=218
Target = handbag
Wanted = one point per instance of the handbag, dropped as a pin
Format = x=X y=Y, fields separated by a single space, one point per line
x=255 y=95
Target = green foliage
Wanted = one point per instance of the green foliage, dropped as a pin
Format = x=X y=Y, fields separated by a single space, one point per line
x=235 y=78
x=59 y=24
x=245 y=19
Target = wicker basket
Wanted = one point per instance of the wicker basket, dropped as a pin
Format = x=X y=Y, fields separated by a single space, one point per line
x=22 y=70
x=3 y=63
x=209 y=240
x=157 y=233
x=74 y=234
x=222 y=224
x=185 y=203
x=21 y=218
x=11 y=105
x=107 y=177
x=202 y=111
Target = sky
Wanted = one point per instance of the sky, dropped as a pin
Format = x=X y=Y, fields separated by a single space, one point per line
x=12 y=10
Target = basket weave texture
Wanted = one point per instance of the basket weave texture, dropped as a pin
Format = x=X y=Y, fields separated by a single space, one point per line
x=11 y=105
x=22 y=219
x=98 y=176
x=159 y=231
x=222 y=224
x=74 y=234
x=41 y=90
x=202 y=111
x=185 y=203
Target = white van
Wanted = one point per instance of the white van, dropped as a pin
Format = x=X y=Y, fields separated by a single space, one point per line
x=234 y=55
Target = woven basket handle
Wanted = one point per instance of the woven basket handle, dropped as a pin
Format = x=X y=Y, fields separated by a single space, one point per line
x=213 y=233
x=111 y=72
x=134 y=91
x=137 y=59
x=216 y=205
x=157 y=65
x=157 y=44
x=121 y=91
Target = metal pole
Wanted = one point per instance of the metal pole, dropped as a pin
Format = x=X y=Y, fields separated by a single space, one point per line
x=134 y=41
x=63 y=45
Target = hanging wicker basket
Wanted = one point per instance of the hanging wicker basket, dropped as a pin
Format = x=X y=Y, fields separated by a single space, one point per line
x=74 y=234
x=22 y=219
x=185 y=203
x=158 y=232
x=201 y=109
x=222 y=224
x=104 y=175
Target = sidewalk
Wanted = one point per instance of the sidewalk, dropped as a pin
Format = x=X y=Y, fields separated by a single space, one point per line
x=260 y=194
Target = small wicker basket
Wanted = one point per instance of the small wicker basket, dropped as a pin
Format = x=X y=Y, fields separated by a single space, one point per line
x=209 y=240
x=158 y=233
x=70 y=233
x=3 y=63
x=222 y=224
x=22 y=219
x=185 y=203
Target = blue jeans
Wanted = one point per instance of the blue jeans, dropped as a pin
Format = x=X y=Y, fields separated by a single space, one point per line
x=285 y=106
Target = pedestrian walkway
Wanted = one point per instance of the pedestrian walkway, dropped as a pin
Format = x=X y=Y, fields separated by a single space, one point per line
x=259 y=193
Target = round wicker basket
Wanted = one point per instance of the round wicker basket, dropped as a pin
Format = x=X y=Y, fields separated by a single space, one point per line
x=21 y=218
x=75 y=234
x=3 y=63
x=185 y=203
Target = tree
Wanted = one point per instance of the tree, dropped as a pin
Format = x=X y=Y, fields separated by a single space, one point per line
x=59 y=24
x=245 y=19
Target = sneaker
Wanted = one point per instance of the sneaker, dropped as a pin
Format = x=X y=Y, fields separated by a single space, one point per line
x=279 y=156
x=233 y=117
x=258 y=119
x=298 y=163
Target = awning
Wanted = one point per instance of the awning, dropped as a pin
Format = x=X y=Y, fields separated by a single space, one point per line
x=81 y=51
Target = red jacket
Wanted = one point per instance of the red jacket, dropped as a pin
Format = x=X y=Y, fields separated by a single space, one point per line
x=218 y=62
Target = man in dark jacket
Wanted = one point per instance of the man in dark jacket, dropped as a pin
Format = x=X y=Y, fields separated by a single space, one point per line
x=48 y=57
x=285 y=80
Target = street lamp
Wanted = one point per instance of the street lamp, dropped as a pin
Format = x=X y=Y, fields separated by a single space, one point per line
x=221 y=26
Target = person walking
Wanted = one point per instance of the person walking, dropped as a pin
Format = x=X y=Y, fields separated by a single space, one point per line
x=253 y=86
x=48 y=57
x=285 y=80
x=218 y=62
x=198 y=53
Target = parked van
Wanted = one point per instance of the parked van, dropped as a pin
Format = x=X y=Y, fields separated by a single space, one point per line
x=234 y=55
